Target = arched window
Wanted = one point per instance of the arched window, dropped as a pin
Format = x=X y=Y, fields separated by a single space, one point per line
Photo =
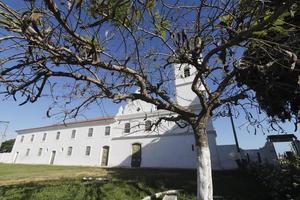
x=148 y=125
x=187 y=72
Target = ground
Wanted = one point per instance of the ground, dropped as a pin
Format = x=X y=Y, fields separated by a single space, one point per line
x=42 y=182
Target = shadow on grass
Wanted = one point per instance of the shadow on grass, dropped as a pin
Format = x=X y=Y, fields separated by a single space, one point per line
x=230 y=185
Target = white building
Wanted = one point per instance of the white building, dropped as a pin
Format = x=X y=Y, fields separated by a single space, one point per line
x=125 y=140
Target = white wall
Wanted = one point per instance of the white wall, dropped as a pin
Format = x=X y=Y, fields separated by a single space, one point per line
x=79 y=144
x=227 y=156
x=267 y=153
x=167 y=147
x=5 y=157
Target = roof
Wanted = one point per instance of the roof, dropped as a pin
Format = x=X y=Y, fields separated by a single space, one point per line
x=97 y=119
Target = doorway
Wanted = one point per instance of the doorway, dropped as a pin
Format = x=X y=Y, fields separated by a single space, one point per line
x=105 y=154
x=52 y=157
x=136 y=157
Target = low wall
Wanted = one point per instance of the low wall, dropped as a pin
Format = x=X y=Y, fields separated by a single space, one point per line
x=5 y=157
x=228 y=156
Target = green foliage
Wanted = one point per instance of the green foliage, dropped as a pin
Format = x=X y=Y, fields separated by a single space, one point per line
x=150 y=4
x=269 y=68
x=121 y=13
x=278 y=26
x=118 y=11
x=226 y=20
x=161 y=24
x=282 y=182
x=7 y=146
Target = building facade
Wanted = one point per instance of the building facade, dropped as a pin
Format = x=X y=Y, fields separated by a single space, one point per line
x=125 y=140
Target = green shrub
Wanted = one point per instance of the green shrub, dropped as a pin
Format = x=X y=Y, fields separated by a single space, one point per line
x=282 y=181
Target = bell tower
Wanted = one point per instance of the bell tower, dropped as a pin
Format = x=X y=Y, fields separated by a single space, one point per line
x=184 y=76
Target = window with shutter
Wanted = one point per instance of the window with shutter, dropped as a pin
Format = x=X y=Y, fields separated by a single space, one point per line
x=88 y=150
x=90 y=133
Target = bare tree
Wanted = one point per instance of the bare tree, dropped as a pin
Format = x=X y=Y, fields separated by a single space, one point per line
x=87 y=50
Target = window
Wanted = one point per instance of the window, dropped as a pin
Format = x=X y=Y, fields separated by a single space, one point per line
x=44 y=136
x=27 y=152
x=32 y=137
x=148 y=125
x=127 y=128
x=107 y=130
x=90 y=133
x=22 y=138
x=88 y=150
x=69 y=151
x=58 y=135
x=73 y=134
x=40 y=152
x=187 y=72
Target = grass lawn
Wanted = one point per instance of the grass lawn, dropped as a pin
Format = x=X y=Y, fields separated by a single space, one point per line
x=24 y=182
x=16 y=173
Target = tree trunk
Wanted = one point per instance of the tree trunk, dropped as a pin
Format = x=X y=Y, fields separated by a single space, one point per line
x=204 y=173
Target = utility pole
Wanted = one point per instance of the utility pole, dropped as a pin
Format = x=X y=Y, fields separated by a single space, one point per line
x=3 y=133
x=233 y=129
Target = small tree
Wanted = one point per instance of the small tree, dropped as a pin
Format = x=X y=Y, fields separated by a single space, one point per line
x=7 y=146
x=84 y=51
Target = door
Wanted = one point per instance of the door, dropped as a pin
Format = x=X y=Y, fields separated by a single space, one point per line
x=52 y=157
x=136 y=157
x=15 y=157
x=105 y=154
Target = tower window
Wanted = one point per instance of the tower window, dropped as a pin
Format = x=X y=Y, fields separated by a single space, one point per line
x=127 y=128
x=187 y=72
x=148 y=125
